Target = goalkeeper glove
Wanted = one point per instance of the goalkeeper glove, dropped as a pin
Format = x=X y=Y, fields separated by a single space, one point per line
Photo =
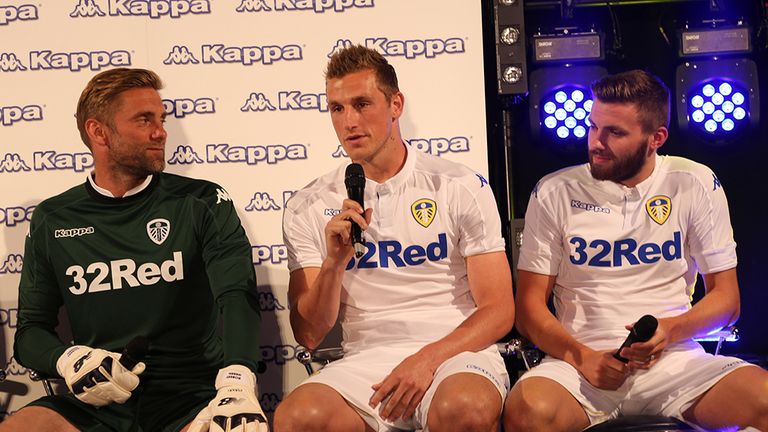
x=236 y=405
x=96 y=377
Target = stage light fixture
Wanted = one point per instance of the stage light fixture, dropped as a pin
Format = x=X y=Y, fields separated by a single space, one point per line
x=511 y=62
x=560 y=98
x=717 y=90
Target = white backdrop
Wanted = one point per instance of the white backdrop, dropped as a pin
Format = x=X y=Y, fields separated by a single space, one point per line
x=245 y=90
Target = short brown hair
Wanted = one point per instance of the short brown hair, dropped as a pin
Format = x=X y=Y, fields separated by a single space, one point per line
x=647 y=92
x=98 y=99
x=357 y=58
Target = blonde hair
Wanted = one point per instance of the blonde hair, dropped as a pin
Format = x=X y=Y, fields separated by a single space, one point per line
x=357 y=58
x=99 y=99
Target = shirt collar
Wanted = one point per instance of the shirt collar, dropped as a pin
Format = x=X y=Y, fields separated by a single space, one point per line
x=106 y=193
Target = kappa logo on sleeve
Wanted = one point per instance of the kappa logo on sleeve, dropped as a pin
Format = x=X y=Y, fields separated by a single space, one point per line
x=222 y=195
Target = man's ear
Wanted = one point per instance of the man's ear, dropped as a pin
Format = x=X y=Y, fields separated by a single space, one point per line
x=397 y=104
x=96 y=131
x=658 y=138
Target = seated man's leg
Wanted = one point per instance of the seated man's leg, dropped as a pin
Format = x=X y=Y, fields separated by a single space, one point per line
x=466 y=395
x=35 y=418
x=740 y=398
x=465 y=402
x=317 y=407
x=539 y=404
x=554 y=396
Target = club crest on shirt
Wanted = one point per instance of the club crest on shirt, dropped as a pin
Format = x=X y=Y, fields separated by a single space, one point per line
x=659 y=208
x=424 y=211
x=158 y=230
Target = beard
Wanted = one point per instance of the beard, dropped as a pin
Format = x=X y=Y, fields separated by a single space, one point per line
x=132 y=158
x=620 y=169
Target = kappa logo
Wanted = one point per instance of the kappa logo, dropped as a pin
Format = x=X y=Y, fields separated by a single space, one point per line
x=659 y=208
x=10 y=13
x=424 y=211
x=257 y=102
x=253 y=155
x=184 y=155
x=432 y=146
x=73 y=232
x=316 y=6
x=12 y=216
x=339 y=153
x=75 y=61
x=52 y=161
x=245 y=55
x=12 y=162
x=483 y=180
x=180 y=55
x=10 y=63
x=86 y=8
x=410 y=49
x=222 y=195
x=438 y=146
x=12 y=264
x=183 y=107
x=262 y=202
x=13 y=114
x=288 y=100
x=268 y=302
x=158 y=230
x=154 y=9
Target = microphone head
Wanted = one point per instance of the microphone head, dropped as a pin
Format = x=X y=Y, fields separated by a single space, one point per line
x=354 y=176
x=137 y=347
x=645 y=327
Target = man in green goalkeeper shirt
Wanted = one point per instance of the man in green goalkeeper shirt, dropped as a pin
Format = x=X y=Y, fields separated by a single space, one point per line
x=134 y=252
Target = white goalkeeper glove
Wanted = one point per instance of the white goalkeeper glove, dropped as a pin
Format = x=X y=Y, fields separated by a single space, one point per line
x=96 y=377
x=236 y=405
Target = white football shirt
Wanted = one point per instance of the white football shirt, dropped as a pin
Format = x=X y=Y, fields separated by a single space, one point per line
x=620 y=253
x=411 y=285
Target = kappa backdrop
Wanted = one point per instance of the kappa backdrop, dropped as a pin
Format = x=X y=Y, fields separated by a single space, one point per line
x=245 y=94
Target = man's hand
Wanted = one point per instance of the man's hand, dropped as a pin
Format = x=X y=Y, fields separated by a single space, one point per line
x=236 y=405
x=643 y=355
x=337 y=230
x=602 y=370
x=402 y=390
x=96 y=377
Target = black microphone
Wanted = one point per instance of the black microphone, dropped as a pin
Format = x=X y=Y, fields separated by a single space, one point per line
x=134 y=352
x=354 y=180
x=643 y=330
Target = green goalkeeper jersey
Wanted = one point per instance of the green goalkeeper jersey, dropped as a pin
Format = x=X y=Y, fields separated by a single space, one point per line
x=171 y=263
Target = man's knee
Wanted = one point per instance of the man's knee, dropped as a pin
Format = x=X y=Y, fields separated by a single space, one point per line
x=309 y=408
x=37 y=419
x=542 y=404
x=521 y=413
x=465 y=408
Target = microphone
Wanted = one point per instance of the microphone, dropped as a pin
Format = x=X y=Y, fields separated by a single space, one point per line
x=643 y=329
x=134 y=352
x=354 y=180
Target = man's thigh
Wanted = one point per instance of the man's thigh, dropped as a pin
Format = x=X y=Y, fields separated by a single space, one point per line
x=35 y=418
x=538 y=401
x=315 y=406
x=732 y=400
x=598 y=405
